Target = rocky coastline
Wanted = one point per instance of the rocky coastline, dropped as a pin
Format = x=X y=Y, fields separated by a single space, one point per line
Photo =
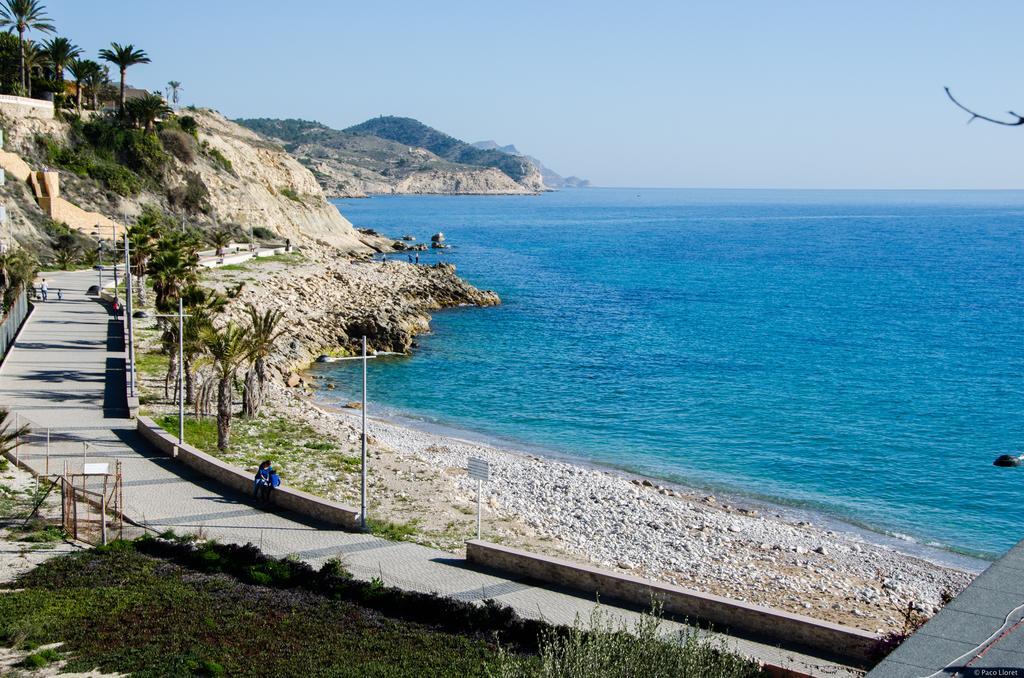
x=599 y=516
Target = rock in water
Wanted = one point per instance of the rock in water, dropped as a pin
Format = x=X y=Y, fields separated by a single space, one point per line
x=323 y=359
x=1008 y=460
x=437 y=237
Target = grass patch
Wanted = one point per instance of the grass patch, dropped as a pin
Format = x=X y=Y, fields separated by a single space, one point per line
x=47 y=534
x=393 y=531
x=277 y=439
x=38 y=660
x=289 y=193
x=152 y=364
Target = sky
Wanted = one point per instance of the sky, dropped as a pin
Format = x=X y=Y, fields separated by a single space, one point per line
x=723 y=94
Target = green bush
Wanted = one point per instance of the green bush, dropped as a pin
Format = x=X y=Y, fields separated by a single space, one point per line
x=264 y=233
x=179 y=144
x=217 y=157
x=290 y=193
x=604 y=649
x=189 y=125
x=117 y=178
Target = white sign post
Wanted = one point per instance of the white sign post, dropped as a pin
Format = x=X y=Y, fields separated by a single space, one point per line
x=480 y=470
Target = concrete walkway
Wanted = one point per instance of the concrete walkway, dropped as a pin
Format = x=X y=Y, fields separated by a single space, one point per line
x=66 y=373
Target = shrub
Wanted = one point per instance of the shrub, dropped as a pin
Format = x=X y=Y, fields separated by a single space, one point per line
x=179 y=144
x=606 y=650
x=263 y=233
x=117 y=178
x=189 y=125
x=192 y=196
x=218 y=158
x=290 y=193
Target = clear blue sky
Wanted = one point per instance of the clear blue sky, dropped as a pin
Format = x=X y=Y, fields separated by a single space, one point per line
x=698 y=94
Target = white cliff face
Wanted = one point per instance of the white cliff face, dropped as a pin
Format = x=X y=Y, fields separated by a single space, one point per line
x=267 y=187
x=264 y=187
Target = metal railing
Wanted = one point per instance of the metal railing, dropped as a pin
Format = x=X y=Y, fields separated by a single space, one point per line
x=12 y=323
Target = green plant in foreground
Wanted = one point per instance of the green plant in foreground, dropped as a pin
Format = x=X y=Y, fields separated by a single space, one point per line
x=393 y=531
x=38 y=660
x=604 y=648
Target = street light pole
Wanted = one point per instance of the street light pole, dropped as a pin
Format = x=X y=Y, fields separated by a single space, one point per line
x=128 y=311
x=181 y=371
x=181 y=368
x=362 y=494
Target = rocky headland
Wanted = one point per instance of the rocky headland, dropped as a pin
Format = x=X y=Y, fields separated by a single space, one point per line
x=330 y=301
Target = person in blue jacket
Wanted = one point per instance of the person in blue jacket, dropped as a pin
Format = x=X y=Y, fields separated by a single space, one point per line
x=265 y=481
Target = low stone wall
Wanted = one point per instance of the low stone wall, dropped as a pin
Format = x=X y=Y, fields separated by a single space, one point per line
x=241 y=481
x=23 y=107
x=763 y=623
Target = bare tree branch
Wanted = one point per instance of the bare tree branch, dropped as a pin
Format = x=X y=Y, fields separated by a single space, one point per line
x=1019 y=121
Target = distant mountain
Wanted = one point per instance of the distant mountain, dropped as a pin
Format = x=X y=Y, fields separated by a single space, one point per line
x=414 y=133
x=552 y=179
x=397 y=155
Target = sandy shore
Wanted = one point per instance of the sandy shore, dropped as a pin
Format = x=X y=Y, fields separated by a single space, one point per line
x=748 y=552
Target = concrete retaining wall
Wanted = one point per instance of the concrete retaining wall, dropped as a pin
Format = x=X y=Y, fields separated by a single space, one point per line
x=23 y=107
x=763 y=623
x=241 y=480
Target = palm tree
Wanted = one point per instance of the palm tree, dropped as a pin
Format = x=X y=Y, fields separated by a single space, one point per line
x=229 y=348
x=23 y=16
x=220 y=239
x=18 y=267
x=80 y=70
x=202 y=305
x=34 y=59
x=96 y=77
x=123 y=56
x=10 y=438
x=142 y=237
x=264 y=332
x=62 y=54
x=175 y=88
x=144 y=111
x=173 y=267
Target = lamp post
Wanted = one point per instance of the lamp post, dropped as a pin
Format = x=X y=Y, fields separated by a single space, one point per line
x=362 y=490
x=128 y=311
x=181 y=368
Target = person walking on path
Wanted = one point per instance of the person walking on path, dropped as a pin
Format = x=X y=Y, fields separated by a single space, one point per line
x=44 y=289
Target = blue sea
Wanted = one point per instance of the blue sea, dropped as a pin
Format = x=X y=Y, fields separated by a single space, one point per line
x=856 y=353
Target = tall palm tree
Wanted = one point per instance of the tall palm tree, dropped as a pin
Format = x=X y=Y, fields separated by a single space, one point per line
x=123 y=56
x=35 y=59
x=175 y=88
x=229 y=348
x=173 y=267
x=62 y=53
x=96 y=77
x=264 y=332
x=145 y=110
x=142 y=237
x=24 y=16
x=80 y=70
x=202 y=305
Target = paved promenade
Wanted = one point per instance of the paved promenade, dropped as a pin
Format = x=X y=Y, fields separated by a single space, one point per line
x=66 y=373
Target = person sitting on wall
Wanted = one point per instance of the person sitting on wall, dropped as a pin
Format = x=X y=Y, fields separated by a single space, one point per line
x=265 y=481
